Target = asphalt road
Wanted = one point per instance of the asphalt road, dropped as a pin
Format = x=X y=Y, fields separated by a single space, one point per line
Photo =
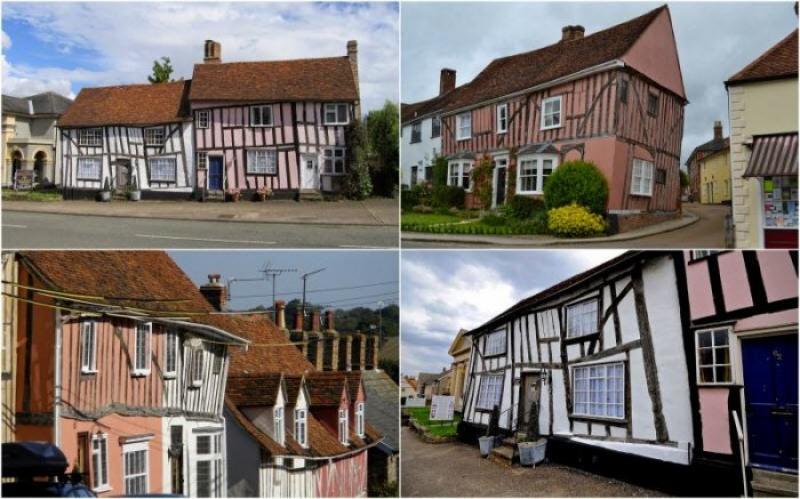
x=707 y=232
x=49 y=231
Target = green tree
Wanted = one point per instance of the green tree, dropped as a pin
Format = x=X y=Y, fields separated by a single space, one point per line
x=161 y=71
x=684 y=179
x=482 y=182
x=383 y=136
x=358 y=184
x=439 y=171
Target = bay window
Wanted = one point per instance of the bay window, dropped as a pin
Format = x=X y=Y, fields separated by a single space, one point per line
x=534 y=171
x=599 y=390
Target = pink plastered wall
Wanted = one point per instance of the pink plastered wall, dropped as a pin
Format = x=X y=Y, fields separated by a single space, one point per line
x=116 y=427
x=714 y=418
x=701 y=298
x=733 y=276
x=777 y=271
x=774 y=320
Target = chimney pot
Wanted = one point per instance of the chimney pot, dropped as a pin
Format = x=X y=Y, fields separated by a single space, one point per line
x=352 y=56
x=214 y=292
x=447 y=80
x=213 y=52
x=329 y=324
x=280 y=313
x=298 y=320
x=569 y=33
x=717 y=130
x=315 y=321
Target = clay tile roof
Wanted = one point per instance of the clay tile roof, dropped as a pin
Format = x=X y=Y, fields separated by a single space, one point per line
x=780 y=61
x=711 y=147
x=149 y=280
x=410 y=112
x=260 y=390
x=260 y=358
x=293 y=384
x=506 y=75
x=321 y=79
x=353 y=383
x=137 y=105
x=325 y=388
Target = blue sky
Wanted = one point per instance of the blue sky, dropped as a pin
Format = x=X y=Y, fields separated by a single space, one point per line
x=444 y=291
x=715 y=40
x=342 y=269
x=65 y=46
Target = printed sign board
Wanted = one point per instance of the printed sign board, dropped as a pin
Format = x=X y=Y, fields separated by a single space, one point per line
x=415 y=402
x=442 y=408
x=23 y=180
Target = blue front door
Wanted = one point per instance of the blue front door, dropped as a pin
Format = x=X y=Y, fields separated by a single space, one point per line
x=215 y=173
x=770 y=389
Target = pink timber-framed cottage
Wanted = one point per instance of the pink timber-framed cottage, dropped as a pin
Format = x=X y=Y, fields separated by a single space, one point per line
x=277 y=125
x=615 y=97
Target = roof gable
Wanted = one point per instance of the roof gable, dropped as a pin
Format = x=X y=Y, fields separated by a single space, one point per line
x=321 y=79
x=133 y=105
x=250 y=391
x=780 y=61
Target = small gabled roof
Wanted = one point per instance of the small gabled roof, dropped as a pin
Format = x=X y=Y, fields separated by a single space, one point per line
x=426 y=378
x=259 y=390
x=713 y=146
x=319 y=79
x=416 y=110
x=515 y=73
x=45 y=103
x=780 y=61
x=454 y=346
x=133 y=105
x=326 y=388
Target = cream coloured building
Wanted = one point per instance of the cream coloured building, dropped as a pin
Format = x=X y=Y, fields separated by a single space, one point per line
x=764 y=123
x=459 y=350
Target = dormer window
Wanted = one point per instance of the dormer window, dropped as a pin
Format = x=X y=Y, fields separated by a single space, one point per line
x=301 y=427
x=141 y=357
x=551 y=113
x=277 y=422
x=261 y=115
x=335 y=114
x=360 y=419
x=154 y=136
x=343 y=430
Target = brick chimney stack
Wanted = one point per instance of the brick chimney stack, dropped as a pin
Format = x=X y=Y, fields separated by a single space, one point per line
x=447 y=80
x=717 y=130
x=214 y=292
x=329 y=322
x=352 y=56
x=569 y=33
x=280 y=314
x=213 y=52
x=315 y=326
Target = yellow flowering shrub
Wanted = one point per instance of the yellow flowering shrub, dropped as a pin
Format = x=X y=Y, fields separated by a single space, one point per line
x=574 y=220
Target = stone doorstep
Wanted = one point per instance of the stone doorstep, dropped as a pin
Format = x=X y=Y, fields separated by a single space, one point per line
x=769 y=483
x=505 y=455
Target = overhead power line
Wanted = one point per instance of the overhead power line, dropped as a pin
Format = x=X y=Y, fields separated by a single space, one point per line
x=299 y=293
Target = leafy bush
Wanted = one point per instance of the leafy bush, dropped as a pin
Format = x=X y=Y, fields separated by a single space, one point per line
x=482 y=182
x=578 y=182
x=439 y=165
x=447 y=196
x=575 y=221
x=419 y=194
x=493 y=220
x=358 y=183
x=524 y=207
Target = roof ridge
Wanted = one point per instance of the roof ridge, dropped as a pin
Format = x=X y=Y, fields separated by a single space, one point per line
x=764 y=55
x=297 y=59
x=130 y=85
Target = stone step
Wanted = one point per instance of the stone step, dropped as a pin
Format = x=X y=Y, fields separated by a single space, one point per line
x=510 y=442
x=504 y=455
x=773 y=484
x=310 y=195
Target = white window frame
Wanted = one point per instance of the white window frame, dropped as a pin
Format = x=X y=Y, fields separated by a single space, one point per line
x=92 y=137
x=170 y=162
x=214 y=459
x=196 y=368
x=155 y=136
x=100 y=462
x=580 y=308
x=301 y=427
x=204 y=119
x=131 y=448
x=502 y=118
x=495 y=343
x=278 y=425
x=464 y=126
x=641 y=167
x=700 y=254
x=89 y=357
x=344 y=428
x=171 y=353
x=96 y=162
x=261 y=121
x=147 y=329
x=714 y=364
x=334 y=155
x=463 y=169
x=360 y=426
x=491 y=386
x=538 y=175
x=334 y=107
x=436 y=127
x=202 y=160
x=253 y=161
x=604 y=385
x=546 y=113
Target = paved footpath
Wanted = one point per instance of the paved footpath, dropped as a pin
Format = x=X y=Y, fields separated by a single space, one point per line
x=372 y=211
x=457 y=470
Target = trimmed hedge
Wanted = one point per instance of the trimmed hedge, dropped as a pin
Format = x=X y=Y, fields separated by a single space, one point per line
x=579 y=182
x=524 y=207
x=447 y=196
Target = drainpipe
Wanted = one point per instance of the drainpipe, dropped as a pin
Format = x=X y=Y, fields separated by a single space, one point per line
x=57 y=383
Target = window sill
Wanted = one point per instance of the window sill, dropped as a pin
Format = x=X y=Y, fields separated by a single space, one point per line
x=502 y=132
x=334 y=174
x=336 y=124
x=642 y=195
x=261 y=126
x=170 y=375
x=89 y=372
x=103 y=488
x=550 y=127
x=494 y=355
x=530 y=193
x=459 y=139
x=140 y=374
x=598 y=419
x=582 y=338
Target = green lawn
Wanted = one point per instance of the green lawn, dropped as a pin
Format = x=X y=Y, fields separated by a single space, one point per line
x=9 y=195
x=439 y=428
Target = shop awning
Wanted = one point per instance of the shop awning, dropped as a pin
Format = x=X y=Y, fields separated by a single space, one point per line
x=773 y=156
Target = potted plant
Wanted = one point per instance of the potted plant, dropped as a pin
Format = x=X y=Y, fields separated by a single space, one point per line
x=105 y=194
x=234 y=195
x=532 y=448
x=487 y=441
x=134 y=194
x=263 y=193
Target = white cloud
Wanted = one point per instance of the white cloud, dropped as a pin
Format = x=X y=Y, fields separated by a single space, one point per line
x=6 y=41
x=24 y=82
x=114 y=43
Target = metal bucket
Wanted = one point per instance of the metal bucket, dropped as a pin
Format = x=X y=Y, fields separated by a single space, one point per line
x=532 y=453
x=486 y=445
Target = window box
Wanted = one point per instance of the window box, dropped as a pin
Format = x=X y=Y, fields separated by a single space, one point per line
x=336 y=114
x=551 y=113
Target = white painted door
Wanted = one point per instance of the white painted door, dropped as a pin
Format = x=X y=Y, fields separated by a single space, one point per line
x=309 y=172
